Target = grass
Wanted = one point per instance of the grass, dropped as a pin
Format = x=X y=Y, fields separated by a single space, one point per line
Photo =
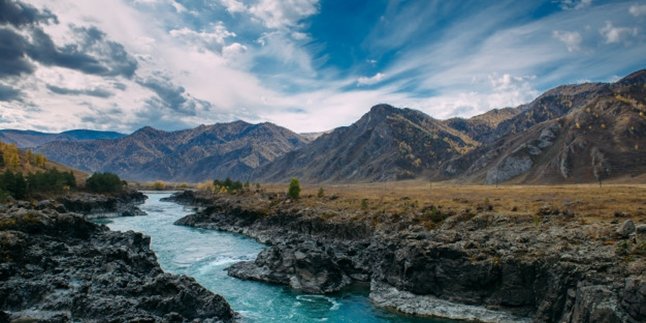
x=589 y=201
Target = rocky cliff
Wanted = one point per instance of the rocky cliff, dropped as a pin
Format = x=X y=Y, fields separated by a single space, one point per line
x=470 y=265
x=58 y=267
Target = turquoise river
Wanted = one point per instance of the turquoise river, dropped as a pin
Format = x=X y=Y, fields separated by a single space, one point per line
x=204 y=254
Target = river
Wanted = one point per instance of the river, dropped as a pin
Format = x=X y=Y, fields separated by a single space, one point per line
x=204 y=254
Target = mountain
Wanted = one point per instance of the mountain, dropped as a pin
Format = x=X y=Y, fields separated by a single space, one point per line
x=385 y=144
x=574 y=133
x=31 y=139
x=216 y=151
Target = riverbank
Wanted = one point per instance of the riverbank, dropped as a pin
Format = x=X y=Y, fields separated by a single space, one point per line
x=474 y=263
x=58 y=267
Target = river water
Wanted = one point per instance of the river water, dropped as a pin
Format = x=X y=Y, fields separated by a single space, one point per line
x=204 y=254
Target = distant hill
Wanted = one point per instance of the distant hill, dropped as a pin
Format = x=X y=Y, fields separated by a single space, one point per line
x=222 y=150
x=31 y=139
x=385 y=144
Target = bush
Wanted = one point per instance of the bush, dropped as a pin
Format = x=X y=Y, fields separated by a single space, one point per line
x=159 y=186
x=364 y=204
x=294 y=190
x=321 y=193
x=228 y=185
x=104 y=183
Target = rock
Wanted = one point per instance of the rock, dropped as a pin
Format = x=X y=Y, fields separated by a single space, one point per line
x=104 y=205
x=627 y=228
x=59 y=268
x=310 y=270
x=484 y=266
x=384 y=295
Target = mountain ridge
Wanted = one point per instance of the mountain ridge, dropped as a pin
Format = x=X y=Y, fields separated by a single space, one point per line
x=540 y=141
x=208 y=151
x=32 y=138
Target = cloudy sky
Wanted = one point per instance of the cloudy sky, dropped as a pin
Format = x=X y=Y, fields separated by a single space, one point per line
x=308 y=65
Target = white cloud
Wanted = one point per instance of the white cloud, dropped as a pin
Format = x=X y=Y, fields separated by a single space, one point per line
x=204 y=38
x=614 y=34
x=364 y=80
x=571 y=39
x=637 y=10
x=281 y=14
x=299 y=36
x=233 y=6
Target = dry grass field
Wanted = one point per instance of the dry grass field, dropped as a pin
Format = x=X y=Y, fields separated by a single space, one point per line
x=587 y=201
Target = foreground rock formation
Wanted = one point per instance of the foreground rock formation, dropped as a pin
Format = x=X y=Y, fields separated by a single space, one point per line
x=58 y=267
x=470 y=265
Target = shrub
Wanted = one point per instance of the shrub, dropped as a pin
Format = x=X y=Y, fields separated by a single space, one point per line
x=294 y=190
x=321 y=193
x=434 y=214
x=104 y=183
x=228 y=186
x=159 y=186
x=364 y=204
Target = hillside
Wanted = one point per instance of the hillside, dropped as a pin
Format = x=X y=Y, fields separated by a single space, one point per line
x=216 y=151
x=31 y=139
x=24 y=161
x=576 y=133
x=385 y=144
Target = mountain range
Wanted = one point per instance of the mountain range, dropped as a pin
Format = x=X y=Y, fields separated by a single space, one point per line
x=31 y=139
x=570 y=134
x=216 y=151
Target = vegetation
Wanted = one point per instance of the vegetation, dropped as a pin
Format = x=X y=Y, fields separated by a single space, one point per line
x=321 y=192
x=294 y=190
x=18 y=186
x=12 y=159
x=229 y=186
x=586 y=201
x=104 y=183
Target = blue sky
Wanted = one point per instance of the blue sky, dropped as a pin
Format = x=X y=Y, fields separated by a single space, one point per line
x=308 y=65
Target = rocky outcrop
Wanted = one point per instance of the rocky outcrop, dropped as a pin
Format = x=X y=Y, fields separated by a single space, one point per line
x=486 y=266
x=104 y=205
x=59 y=268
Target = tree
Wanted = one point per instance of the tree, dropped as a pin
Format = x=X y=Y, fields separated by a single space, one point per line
x=14 y=184
x=104 y=183
x=294 y=190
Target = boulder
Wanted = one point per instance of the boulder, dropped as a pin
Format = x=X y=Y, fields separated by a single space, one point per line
x=626 y=229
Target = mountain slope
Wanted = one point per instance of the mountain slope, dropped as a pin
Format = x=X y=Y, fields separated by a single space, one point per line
x=575 y=133
x=30 y=139
x=25 y=162
x=385 y=144
x=217 y=151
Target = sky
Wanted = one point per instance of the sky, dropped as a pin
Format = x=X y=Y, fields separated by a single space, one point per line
x=308 y=65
